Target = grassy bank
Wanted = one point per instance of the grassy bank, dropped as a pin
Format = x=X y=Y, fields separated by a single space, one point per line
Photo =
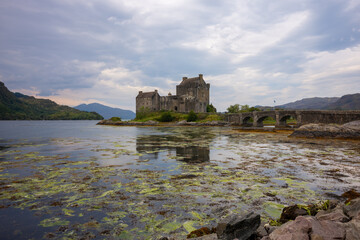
x=169 y=116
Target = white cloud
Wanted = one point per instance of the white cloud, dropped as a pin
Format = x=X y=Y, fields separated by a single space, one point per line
x=237 y=40
x=331 y=73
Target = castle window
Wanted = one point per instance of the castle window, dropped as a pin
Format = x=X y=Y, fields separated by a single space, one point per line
x=175 y=108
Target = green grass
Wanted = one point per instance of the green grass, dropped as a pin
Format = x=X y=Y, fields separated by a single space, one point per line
x=156 y=116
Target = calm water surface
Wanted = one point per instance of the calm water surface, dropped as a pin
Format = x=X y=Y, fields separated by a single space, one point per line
x=74 y=179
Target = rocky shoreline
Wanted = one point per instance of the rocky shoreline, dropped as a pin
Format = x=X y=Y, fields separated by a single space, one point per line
x=155 y=123
x=328 y=220
x=349 y=130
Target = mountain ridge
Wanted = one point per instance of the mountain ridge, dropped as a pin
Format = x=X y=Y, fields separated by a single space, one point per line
x=106 y=111
x=346 y=102
x=17 y=106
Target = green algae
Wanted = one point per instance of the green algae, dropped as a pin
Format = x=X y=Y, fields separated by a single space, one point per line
x=189 y=226
x=55 y=221
x=273 y=209
x=171 y=226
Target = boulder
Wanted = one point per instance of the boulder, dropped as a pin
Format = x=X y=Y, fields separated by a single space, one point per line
x=355 y=125
x=183 y=122
x=262 y=231
x=326 y=229
x=292 y=230
x=353 y=229
x=237 y=226
x=306 y=228
x=348 y=131
x=336 y=214
x=292 y=212
x=269 y=229
x=353 y=209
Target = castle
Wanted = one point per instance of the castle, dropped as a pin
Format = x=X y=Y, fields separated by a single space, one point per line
x=192 y=94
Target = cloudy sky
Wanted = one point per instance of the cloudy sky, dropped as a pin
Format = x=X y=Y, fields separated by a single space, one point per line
x=250 y=51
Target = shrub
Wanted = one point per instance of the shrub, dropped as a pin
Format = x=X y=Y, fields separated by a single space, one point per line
x=166 y=117
x=115 y=119
x=210 y=108
x=192 y=117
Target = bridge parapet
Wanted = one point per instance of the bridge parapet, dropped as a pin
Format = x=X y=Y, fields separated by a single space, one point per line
x=330 y=116
x=302 y=117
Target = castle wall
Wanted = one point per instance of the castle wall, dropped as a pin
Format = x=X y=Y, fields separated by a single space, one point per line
x=149 y=102
x=191 y=95
x=194 y=95
x=170 y=103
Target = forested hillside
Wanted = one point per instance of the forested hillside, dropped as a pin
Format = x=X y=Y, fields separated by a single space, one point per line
x=17 y=106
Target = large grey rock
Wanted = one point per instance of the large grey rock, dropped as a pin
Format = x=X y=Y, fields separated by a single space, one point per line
x=353 y=229
x=237 y=226
x=353 y=125
x=326 y=229
x=183 y=122
x=293 y=230
x=262 y=231
x=291 y=213
x=349 y=130
x=305 y=228
x=336 y=214
x=353 y=209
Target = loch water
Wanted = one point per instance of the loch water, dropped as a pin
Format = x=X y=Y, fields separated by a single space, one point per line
x=76 y=179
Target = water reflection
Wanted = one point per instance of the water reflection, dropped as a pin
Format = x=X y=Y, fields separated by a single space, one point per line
x=189 y=146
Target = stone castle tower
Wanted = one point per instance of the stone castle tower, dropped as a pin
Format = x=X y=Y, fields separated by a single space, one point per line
x=192 y=94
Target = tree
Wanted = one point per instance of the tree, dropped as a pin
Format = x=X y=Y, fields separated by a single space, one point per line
x=252 y=109
x=234 y=108
x=210 y=108
x=241 y=108
x=244 y=108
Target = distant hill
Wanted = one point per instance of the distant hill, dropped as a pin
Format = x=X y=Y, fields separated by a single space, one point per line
x=107 y=112
x=310 y=103
x=346 y=102
x=17 y=106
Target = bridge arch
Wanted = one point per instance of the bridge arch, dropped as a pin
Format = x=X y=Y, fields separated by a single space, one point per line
x=247 y=121
x=259 y=117
x=283 y=116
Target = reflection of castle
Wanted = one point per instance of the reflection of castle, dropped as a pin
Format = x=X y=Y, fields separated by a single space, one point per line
x=193 y=153
x=192 y=94
x=150 y=145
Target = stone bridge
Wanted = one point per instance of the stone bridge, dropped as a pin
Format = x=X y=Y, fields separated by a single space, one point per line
x=301 y=116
